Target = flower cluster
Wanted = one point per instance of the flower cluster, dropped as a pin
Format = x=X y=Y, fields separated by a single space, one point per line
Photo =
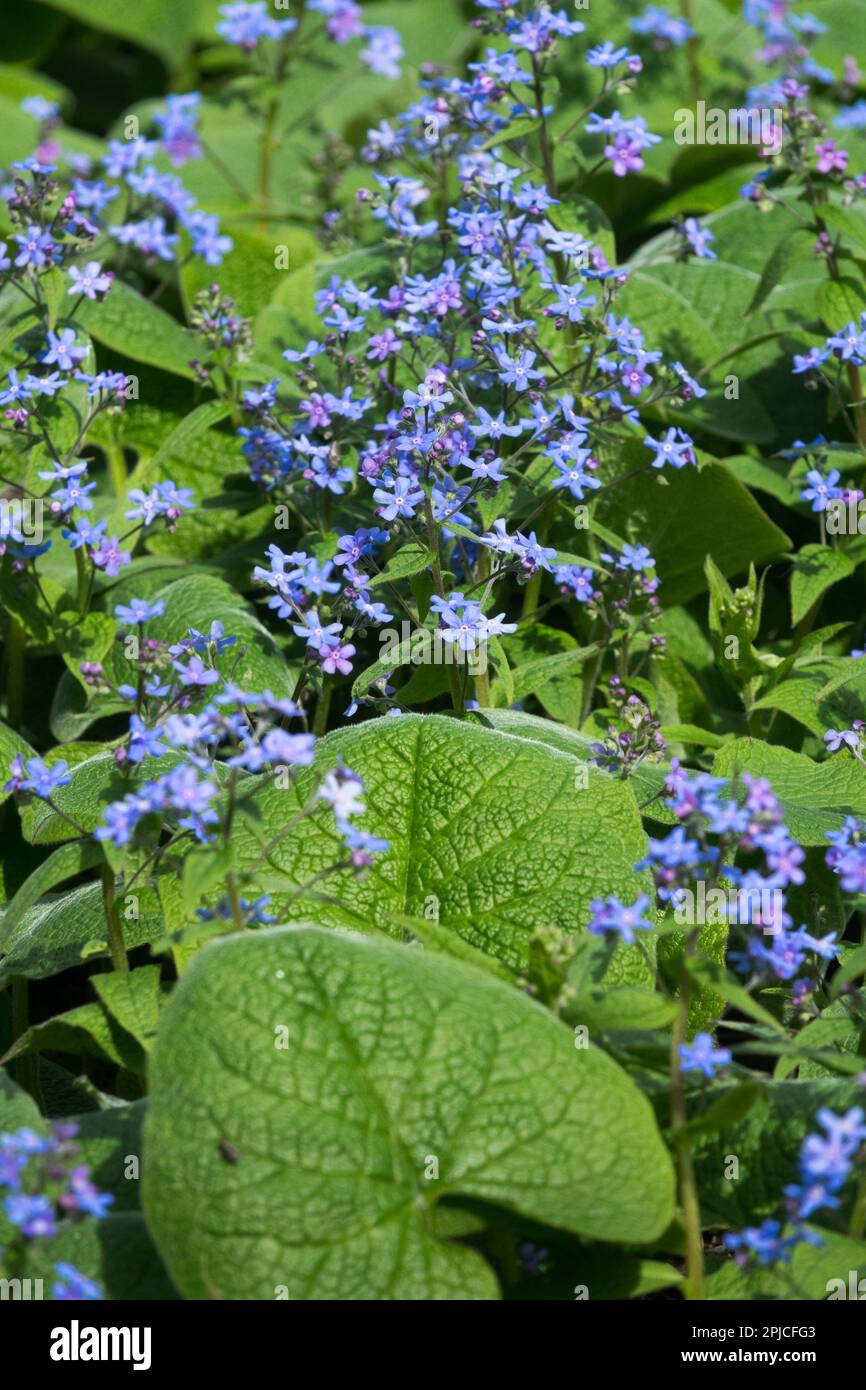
x=46 y=1190
x=459 y=358
x=249 y=26
x=713 y=827
x=635 y=737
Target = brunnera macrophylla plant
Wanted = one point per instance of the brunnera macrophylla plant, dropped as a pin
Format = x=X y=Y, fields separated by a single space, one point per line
x=433 y=756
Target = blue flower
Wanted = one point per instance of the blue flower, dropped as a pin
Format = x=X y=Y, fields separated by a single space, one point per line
x=702 y=1056
x=72 y=1284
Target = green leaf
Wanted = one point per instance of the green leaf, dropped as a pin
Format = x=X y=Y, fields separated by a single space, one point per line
x=64 y=930
x=622 y=1006
x=64 y=863
x=490 y=834
x=816 y=797
x=699 y=315
x=89 y=1029
x=814 y=1274
x=132 y=997
x=11 y=744
x=712 y=975
x=203 y=871
x=117 y=1252
x=198 y=601
x=679 y=524
x=852 y=227
x=412 y=650
x=53 y=287
x=394 y=1060
x=835 y=1030
x=534 y=675
x=17 y=1109
x=816 y=569
x=252 y=272
x=409 y=559
x=128 y=323
x=646 y=783
x=821 y=693
x=517 y=129
x=177 y=442
x=559 y=692
x=729 y=1109
x=766 y=1141
x=93 y=784
x=841 y=302
x=784 y=254
x=107 y=1140
x=165 y=30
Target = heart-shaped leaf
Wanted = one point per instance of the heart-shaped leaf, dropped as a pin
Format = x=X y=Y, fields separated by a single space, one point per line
x=315 y=1096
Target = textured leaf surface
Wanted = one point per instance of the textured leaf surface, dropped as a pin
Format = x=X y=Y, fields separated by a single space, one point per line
x=197 y=601
x=680 y=524
x=394 y=1057
x=816 y=796
x=63 y=930
x=489 y=833
x=816 y=568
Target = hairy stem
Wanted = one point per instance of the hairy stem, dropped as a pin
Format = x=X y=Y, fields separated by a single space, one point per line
x=116 y=944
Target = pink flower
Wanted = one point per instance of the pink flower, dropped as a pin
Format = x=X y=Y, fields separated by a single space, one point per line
x=625 y=155
x=333 y=659
x=830 y=158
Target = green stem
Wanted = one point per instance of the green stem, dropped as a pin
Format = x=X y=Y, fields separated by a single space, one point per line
x=692 y=45
x=238 y=922
x=439 y=585
x=116 y=470
x=268 y=145
x=24 y=1066
x=82 y=580
x=116 y=944
x=323 y=705
x=16 y=643
x=691 y=1212
x=857 y=1228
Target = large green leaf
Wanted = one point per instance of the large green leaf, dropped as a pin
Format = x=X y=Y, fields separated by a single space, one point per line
x=816 y=568
x=166 y=30
x=491 y=835
x=677 y=517
x=197 y=601
x=816 y=797
x=303 y=1166
x=128 y=323
x=66 y=862
x=821 y=693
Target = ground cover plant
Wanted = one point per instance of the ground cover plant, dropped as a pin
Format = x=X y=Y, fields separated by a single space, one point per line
x=434 y=688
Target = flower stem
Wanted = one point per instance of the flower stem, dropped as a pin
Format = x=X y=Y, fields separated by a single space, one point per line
x=24 y=1066
x=116 y=944
x=857 y=1228
x=691 y=1212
